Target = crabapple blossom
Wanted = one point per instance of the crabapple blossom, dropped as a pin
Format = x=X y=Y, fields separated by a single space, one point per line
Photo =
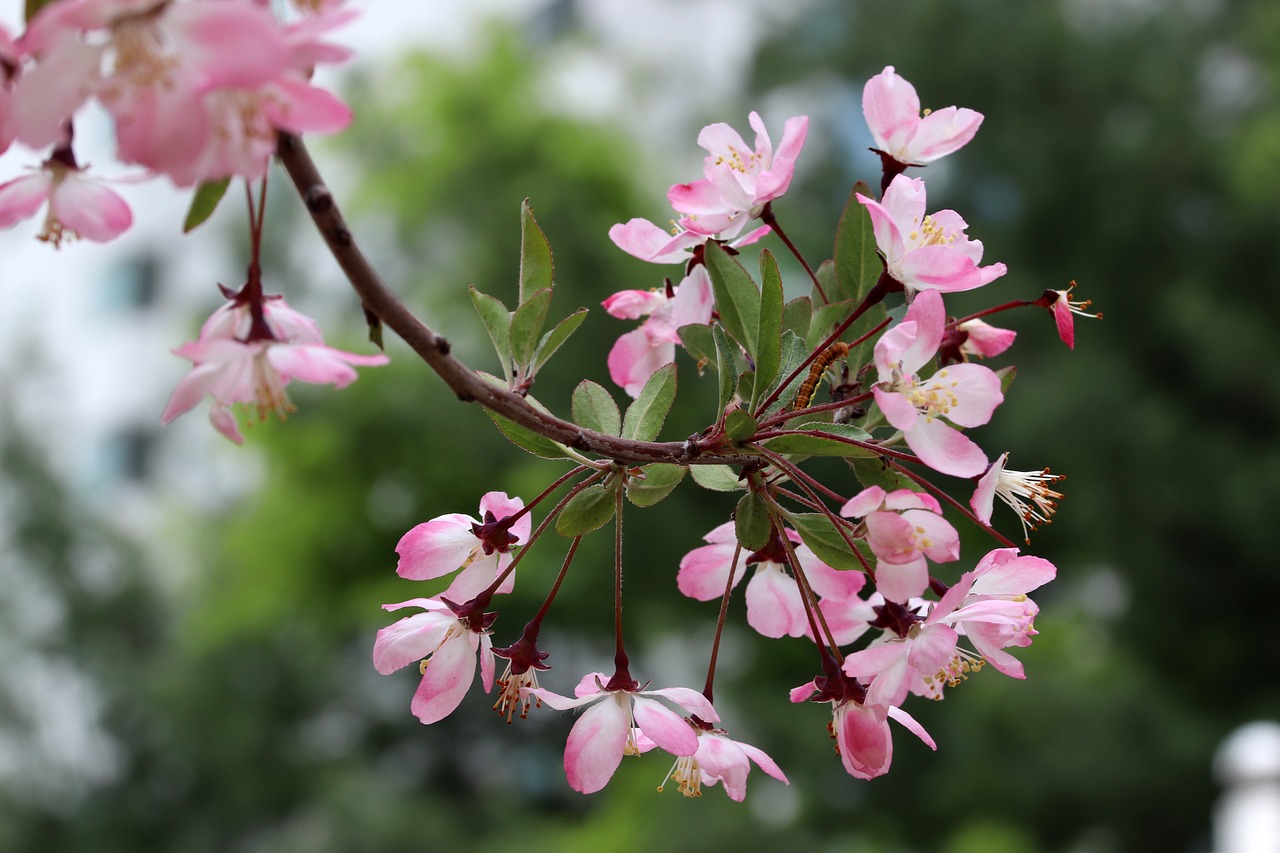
x=1060 y=303
x=455 y=541
x=965 y=394
x=892 y=110
x=892 y=666
x=76 y=204
x=1026 y=492
x=638 y=353
x=719 y=758
x=774 y=606
x=925 y=252
x=646 y=241
x=608 y=729
x=903 y=528
x=450 y=645
x=738 y=181
x=983 y=340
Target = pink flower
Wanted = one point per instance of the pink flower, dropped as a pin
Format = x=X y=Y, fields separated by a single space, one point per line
x=964 y=394
x=1059 y=302
x=774 y=605
x=892 y=110
x=1026 y=492
x=925 y=252
x=78 y=206
x=926 y=655
x=450 y=645
x=481 y=549
x=607 y=730
x=10 y=66
x=902 y=528
x=236 y=362
x=739 y=181
x=640 y=352
x=861 y=730
x=719 y=759
x=983 y=340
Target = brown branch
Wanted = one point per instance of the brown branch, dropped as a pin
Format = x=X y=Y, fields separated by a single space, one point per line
x=434 y=349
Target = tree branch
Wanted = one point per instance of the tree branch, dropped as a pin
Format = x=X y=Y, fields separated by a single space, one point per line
x=434 y=349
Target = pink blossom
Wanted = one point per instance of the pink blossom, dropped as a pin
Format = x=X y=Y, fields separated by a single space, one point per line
x=10 y=65
x=964 y=394
x=903 y=528
x=450 y=646
x=925 y=252
x=637 y=354
x=607 y=730
x=719 y=759
x=235 y=362
x=1060 y=303
x=78 y=206
x=774 y=605
x=892 y=109
x=482 y=549
x=926 y=655
x=983 y=340
x=738 y=181
x=1026 y=492
x=861 y=730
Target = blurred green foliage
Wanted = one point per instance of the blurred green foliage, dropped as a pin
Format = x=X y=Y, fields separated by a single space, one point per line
x=1134 y=148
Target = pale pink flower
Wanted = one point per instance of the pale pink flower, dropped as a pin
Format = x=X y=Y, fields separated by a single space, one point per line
x=903 y=528
x=480 y=547
x=637 y=354
x=891 y=668
x=607 y=730
x=774 y=605
x=719 y=758
x=738 y=181
x=78 y=205
x=450 y=645
x=861 y=730
x=1060 y=303
x=1026 y=492
x=646 y=241
x=256 y=373
x=892 y=109
x=983 y=340
x=964 y=394
x=925 y=252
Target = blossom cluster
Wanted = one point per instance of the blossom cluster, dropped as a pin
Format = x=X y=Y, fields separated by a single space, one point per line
x=858 y=580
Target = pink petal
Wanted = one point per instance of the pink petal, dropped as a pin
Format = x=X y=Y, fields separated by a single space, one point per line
x=320 y=364
x=224 y=422
x=976 y=391
x=897 y=409
x=902 y=581
x=892 y=110
x=863 y=503
x=909 y=723
x=448 y=677
x=934 y=535
x=946 y=450
x=22 y=197
x=436 y=547
x=646 y=241
x=774 y=607
x=633 y=304
x=930 y=317
x=299 y=107
x=943 y=132
x=409 y=640
x=1064 y=320
x=89 y=209
x=635 y=357
x=777 y=179
x=705 y=570
x=866 y=749
x=983 y=501
x=474 y=579
x=763 y=761
x=892 y=538
x=665 y=727
x=503 y=507
x=888 y=235
x=691 y=700
x=596 y=744
x=700 y=198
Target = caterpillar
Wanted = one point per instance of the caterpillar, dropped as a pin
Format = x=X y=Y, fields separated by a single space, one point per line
x=809 y=387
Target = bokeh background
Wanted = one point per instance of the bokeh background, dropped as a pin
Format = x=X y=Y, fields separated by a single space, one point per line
x=186 y=627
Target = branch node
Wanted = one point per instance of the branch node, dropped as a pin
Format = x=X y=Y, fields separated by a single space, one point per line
x=340 y=236
x=580 y=441
x=442 y=345
x=318 y=199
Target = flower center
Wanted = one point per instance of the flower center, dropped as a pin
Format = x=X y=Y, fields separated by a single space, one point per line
x=933 y=397
x=738 y=162
x=930 y=233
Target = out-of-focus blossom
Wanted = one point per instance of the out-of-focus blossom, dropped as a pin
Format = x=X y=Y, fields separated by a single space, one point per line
x=77 y=205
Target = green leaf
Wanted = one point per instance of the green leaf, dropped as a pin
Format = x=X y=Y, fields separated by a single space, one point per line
x=207 y=195
x=769 y=332
x=858 y=265
x=497 y=322
x=34 y=6
x=739 y=425
x=555 y=338
x=699 y=342
x=826 y=275
x=526 y=327
x=797 y=314
x=594 y=408
x=1007 y=375
x=716 y=478
x=817 y=531
x=526 y=439
x=824 y=441
x=874 y=472
x=751 y=521
x=737 y=297
x=725 y=366
x=794 y=352
x=825 y=320
x=646 y=415
x=659 y=479
x=536 y=267
x=588 y=510
x=870 y=318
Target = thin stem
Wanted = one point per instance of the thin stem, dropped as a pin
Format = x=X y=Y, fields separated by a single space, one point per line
x=963 y=510
x=783 y=417
x=807 y=595
x=878 y=449
x=724 y=609
x=434 y=349
x=524 y=510
x=620 y=663
x=1016 y=303
x=768 y=218
x=534 y=624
